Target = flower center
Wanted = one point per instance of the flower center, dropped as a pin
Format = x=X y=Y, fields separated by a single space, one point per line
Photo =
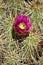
x=22 y=25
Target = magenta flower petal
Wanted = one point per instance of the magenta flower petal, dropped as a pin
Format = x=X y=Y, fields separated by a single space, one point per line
x=22 y=20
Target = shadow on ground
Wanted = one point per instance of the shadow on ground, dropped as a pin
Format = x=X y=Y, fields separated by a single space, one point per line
x=18 y=37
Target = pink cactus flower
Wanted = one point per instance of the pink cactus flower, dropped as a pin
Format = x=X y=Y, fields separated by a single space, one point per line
x=22 y=24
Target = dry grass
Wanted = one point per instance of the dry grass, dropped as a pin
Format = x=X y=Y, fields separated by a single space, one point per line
x=25 y=50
